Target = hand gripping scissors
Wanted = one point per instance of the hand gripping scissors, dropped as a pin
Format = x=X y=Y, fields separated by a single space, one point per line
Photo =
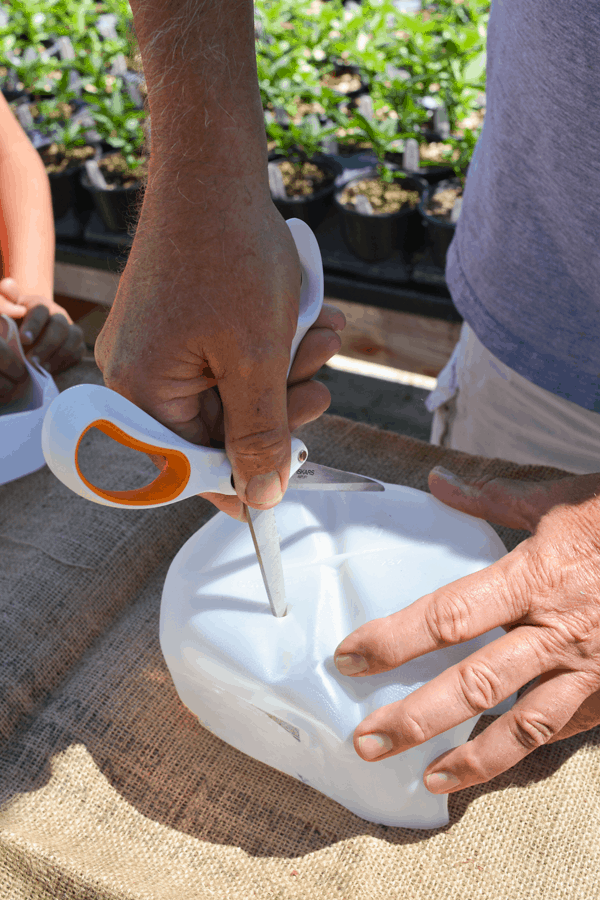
x=189 y=468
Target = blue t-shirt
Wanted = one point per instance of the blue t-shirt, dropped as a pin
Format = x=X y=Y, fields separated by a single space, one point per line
x=523 y=268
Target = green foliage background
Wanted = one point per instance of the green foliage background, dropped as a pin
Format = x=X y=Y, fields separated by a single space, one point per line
x=438 y=54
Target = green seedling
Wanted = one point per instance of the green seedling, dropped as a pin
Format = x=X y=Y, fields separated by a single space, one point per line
x=58 y=122
x=120 y=123
x=439 y=53
x=302 y=141
x=384 y=138
x=459 y=152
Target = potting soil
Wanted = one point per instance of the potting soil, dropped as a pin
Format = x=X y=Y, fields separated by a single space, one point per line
x=442 y=203
x=434 y=152
x=303 y=179
x=344 y=84
x=118 y=174
x=58 y=158
x=385 y=197
x=60 y=111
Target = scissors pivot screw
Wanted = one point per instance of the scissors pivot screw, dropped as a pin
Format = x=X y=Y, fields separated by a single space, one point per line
x=302 y=456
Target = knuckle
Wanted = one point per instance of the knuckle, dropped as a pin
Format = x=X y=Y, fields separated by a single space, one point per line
x=447 y=618
x=534 y=581
x=257 y=446
x=378 y=643
x=412 y=731
x=531 y=729
x=480 y=770
x=115 y=376
x=479 y=687
x=577 y=629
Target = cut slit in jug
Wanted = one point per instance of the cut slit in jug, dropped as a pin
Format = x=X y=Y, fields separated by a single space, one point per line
x=268 y=686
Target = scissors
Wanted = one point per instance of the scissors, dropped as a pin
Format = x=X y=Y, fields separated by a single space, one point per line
x=190 y=469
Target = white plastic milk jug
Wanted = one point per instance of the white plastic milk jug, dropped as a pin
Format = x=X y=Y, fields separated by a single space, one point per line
x=268 y=686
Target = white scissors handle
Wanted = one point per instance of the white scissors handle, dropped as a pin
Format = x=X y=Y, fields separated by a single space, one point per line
x=189 y=469
x=313 y=283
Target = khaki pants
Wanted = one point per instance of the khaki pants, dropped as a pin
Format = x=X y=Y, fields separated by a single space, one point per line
x=482 y=407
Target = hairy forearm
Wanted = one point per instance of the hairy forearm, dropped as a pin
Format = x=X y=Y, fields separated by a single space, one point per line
x=206 y=112
x=26 y=220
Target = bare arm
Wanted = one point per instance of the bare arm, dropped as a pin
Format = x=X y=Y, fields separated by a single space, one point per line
x=200 y=67
x=209 y=296
x=26 y=219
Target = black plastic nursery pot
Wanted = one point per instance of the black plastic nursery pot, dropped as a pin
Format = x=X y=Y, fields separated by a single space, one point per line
x=62 y=187
x=313 y=208
x=375 y=238
x=340 y=68
x=439 y=232
x=67 y=190
x=432 y=174
x=117 y=207
x=10 y=87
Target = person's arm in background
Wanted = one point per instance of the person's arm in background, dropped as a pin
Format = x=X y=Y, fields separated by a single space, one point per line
x=26 y=219
x=209 y=296
x=27 y=247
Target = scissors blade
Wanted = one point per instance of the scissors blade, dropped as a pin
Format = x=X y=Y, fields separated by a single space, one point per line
x=312 y=477
x=265 y=537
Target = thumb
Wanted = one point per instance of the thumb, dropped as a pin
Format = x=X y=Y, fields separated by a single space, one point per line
x=516 y=504
x=10 y=296
x=257 y=437
x=14 y=310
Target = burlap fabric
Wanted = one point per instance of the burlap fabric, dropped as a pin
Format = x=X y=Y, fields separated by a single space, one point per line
x=110 y=789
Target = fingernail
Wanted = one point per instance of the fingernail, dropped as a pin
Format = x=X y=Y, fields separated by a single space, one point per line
x=373 y=745
x=264 y=489
x=440 y=782
x=350 y=663
x=455 y=480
